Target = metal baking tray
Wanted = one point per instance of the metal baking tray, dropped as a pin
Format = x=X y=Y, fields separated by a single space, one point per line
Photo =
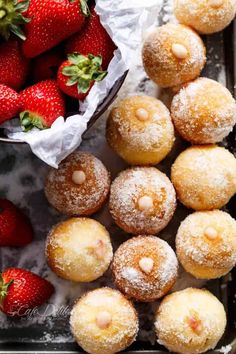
x=18 y=164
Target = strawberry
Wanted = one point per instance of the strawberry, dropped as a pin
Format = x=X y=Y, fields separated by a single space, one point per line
x=52 y=21
x=15 y=227
x=10 y=103
x=46 y=65
x=13 y=66
x=92 y=39
x=77 y=75
x=12 y=17
x=42 y=104
x=22 y=290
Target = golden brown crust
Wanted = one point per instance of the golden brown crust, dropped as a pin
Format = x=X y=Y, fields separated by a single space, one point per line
x=130 y=278
x=78 y=199
x=160 y=63
x=204 y=177
x=203 y=111
x=120 y=333
x=79 y=249
x=203 y=16
x=144 y=141
x=190 y=321
x=204 y=255
x=126 y=191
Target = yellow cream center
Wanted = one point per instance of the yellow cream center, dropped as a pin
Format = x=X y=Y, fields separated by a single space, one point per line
x=142 y=114
x=146 y=264
x=211 y=233
x=179 y=51
x=145 y=203
x=103 y=319
x=78 y=177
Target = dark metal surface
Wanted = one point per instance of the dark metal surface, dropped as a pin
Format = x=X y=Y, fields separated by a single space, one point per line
x=221 y=48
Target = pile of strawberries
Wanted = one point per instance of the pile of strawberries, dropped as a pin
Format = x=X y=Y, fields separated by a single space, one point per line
x=20 y=289
x=48 y=49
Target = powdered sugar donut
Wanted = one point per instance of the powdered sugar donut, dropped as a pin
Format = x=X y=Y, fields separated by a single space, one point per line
x=204 y=177
x=173 y=54
x=142 y=200
x=104 y=321
x=140 y=130
x=190 y=321
x=206 y=244
x=79 y=186
x=145 y=268
x=205 y=16
x=79 y=249
x=203 y=111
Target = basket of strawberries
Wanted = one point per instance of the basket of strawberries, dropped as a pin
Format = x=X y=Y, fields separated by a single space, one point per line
x=61 y=65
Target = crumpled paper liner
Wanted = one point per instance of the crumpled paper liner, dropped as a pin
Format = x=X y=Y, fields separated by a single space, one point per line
x=125 y=21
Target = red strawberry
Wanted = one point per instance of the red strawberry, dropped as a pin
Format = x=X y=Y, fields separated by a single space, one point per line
x=52 y=21
x=77 y=75
x=10 y=103
x=93 y=39
x=13 y=66
x=15 y=227
x=46 y=65
x=42 y=104
x=21 y=290
x=12 y=17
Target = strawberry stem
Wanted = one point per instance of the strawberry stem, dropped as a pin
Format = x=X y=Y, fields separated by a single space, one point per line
x=30 y=120
x=83 y=71
x=11 y=16
x=4 y=288
x=85 y=8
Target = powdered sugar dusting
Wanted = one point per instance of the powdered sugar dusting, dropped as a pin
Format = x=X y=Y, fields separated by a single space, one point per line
x=203 y=256
x=202 y=118
x=122 y=330
x=134 y=183
x=74 y=199
x=204 y=177
x=130 y=278
x=159 y=61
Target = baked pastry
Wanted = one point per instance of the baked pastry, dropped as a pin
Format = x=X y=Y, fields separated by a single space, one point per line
x=206 y=244
x=140 y=130
x=204 y=177
x=104 y=321
x=205 y=16
x=79 y=186
x=142 y=200
x=173 y=54
x=190 y=321
x=79 y=249
x=145 y=268
x=203 y=111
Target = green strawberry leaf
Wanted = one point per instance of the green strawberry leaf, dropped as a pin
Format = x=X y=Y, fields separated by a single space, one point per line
x=4 y=288
x=22 y=6
x=99 y=76
x=72 y=81
x=85 y=8
x=83 y=71
x=29 y=120
x=83 y=85
x=18 y=32
x=11 y=18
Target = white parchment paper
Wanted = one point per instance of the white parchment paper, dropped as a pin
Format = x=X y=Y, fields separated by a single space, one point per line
x=125 y=21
